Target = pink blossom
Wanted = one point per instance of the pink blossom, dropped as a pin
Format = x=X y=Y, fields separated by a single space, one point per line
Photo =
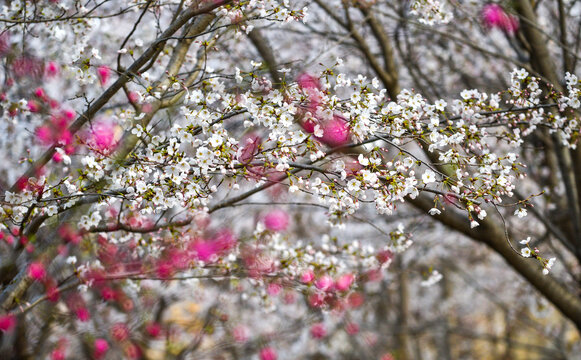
x=384 y=256
x=289 y=297
x=103 y=72
x=102 y=136
x=69 y=235
x=120 y=332
x=7 y=322
x=36 y=270
x=108 y=294
x=52 y=291
x=205 y=250
x=57 y=354
x=352 y=328
x=65 y=137
x=276 y=220
x=133 y=97
x=5 y=45
x=344 y=282
x=324 y=283
x=224 y=240
x=308 y=81
x=33 y=106
x=9 y=239
x=27 y=67
x=307 y=276
x=335 y=132
x=44 y=134
x=240 y=334
x=69 y=114
x=355 y=300
x=248 y=148
x=309 y=126
x=165 y=269
x=153 y=329
x=39 y=92
x=101 y=347
x=51 y=70
x=494 y=16
x=83 y=314
x=258 y=264
x=318 y=331
x=268 y=353
x=273 y=289
x=132 y=351
x=317 y=300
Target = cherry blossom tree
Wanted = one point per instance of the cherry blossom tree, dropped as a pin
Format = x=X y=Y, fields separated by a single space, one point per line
x=264 y=178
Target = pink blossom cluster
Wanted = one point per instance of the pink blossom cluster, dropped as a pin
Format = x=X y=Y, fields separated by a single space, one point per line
x=335 y=131
x=103 y=136
x=494 y=16
x=276 y=220
x=56 y=130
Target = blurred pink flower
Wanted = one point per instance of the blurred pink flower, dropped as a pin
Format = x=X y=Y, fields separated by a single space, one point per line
x=307 y=276
x=494 y=16
x=101 y=347
x=324 y=283
x=25 y=66
x=318 y=331
x=268 y=353
x=36 y=270
x=104 y=136
x=57 y=354
x=240 y=333
x=248 y=148
x=205 y=250
x=7 y=322
x=335 y=132
x=103 y=72
x=153 y=329
x=344 y=282
x=5 y=45
x=308 y=81
x=352 y=328
x=51 y=70
x=317 y=300
x=83 y=314
x=276 y=220
x=120 y=332
x=273 y=289
x=309 y=126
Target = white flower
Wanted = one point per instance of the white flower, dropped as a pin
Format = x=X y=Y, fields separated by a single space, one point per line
x=318 y=131
x=216 y=140
x=51 y=210
x=525 y=241
x=474 y=224
x=525 y=252
x=71 y=260
x=362 y=160
x=140 y=186
x=353 y=185
x=440 y=105
x=520 y=74
x=549 y=265
x=435 y=277
x=434 y=211
x=428 y=177
x=520 y=212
